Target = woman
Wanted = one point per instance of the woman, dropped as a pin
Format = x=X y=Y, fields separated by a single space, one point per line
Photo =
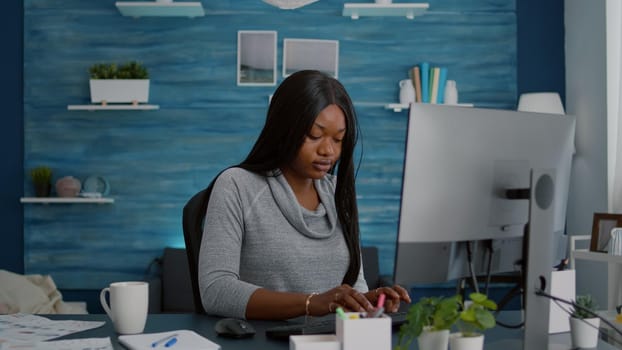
x=281 y=235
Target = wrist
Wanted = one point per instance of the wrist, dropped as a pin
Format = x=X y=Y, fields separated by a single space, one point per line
x=308 y=303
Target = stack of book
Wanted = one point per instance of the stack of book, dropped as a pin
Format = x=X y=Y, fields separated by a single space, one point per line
x=429 y=82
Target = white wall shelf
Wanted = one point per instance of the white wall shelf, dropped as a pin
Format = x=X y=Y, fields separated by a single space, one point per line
x=398 y=107
x=614 y=270
x=115 y=107
x=584 y=254
x=408 y=10
x=160 y=9
x=66 y=200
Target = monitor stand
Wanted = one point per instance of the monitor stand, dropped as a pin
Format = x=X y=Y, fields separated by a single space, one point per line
x=539 y=245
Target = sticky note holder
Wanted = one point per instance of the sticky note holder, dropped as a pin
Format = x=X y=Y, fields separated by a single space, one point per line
x=364 y=333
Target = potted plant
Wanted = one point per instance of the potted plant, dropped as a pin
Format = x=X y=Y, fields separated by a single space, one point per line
x=475 y=317
x=112 y=83
x=41 y=177
x=584 y=323
x=429 y=320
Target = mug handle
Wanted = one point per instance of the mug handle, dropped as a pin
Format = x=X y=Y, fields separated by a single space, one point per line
x=102 y=299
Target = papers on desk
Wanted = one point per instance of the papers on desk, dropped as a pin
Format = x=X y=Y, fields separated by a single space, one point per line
x=32 y=328
x=184 y=340
x=70 y=344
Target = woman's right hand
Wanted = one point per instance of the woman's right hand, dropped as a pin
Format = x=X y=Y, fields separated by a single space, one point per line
x=344 y=296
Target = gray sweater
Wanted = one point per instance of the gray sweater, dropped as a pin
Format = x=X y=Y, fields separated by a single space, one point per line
x=256 y=235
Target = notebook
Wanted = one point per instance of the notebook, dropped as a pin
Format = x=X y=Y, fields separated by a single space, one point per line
x=184 y=340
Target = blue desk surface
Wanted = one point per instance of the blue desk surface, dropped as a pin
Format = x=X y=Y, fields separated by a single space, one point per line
x=498 y=338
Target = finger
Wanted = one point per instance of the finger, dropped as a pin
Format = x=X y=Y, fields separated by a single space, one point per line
x=402 y=292
x=391 y=306
x=363 y=301
x=353 y=302
x=389 y=294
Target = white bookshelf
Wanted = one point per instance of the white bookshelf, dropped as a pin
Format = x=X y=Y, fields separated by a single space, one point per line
x=160 y=8
x=66 y=200
x=408 y=10
x=112 y=107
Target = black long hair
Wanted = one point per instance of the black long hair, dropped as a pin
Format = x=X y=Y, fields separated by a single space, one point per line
x=294 y=106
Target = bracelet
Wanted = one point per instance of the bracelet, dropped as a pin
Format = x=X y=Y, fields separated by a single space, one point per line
x=307 y=302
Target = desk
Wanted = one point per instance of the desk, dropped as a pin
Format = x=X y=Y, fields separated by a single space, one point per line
x=498 y=338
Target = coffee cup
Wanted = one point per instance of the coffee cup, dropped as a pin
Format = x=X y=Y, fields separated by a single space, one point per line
x=128 y=305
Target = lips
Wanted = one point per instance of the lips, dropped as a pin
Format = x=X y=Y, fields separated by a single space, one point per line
x=323 y=166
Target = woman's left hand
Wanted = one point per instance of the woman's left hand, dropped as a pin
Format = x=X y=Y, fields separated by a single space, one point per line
x=393 y=296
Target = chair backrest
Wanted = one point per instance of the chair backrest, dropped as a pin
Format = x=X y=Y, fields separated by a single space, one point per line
x=192 y=220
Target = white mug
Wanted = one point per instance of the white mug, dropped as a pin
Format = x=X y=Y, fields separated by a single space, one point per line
x=128 y=308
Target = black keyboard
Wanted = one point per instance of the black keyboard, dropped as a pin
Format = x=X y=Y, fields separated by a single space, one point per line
x=321 y=326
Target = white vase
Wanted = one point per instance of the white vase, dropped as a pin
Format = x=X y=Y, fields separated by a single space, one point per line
x=450 y=96
x=407 y=91
x=433 y=340
x=457 y=341
x=584 y=332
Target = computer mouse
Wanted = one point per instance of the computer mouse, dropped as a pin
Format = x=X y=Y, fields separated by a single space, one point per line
x=234 y=328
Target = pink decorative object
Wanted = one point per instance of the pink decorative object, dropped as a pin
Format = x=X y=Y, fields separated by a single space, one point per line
x=68 y=186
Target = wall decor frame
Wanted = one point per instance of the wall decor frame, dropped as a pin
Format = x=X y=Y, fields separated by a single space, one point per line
x=256 y=57
x=322 y=55
x=601 y=230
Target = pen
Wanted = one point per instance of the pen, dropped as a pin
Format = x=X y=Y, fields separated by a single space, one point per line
x=377 y=313
x=341 y=313
x=166 y=340
x=381 y=298
x=171 y=342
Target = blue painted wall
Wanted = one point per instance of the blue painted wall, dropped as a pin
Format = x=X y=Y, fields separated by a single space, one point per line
x=156 y=160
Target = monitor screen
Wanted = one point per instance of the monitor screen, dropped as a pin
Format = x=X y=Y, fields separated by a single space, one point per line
x=459 y=162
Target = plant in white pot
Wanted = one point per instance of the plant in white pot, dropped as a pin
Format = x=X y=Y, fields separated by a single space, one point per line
x=475 y=317
x=125 y=83
x=429 y=321
x=583 y=322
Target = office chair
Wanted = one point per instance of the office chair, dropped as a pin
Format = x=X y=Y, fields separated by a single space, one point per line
x=192 y=220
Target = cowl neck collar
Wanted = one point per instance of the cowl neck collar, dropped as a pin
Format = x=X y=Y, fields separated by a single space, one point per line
x=298 y=216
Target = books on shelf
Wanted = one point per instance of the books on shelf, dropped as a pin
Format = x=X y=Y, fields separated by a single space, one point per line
x=429 y=82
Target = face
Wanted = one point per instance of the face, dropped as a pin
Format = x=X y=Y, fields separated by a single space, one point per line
x=322 y=146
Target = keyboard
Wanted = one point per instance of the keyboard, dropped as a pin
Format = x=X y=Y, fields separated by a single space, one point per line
x=321 y=326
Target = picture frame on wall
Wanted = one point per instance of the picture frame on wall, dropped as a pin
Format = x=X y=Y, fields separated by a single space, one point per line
x=601 y=230
x=256 y=64
x=322 y=55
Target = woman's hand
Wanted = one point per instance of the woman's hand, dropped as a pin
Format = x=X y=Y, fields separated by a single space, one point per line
x=344 y=296
x=393 y=296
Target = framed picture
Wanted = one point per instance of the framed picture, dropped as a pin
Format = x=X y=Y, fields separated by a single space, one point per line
x=601 y=230
x=322 y=55
x=256 y=57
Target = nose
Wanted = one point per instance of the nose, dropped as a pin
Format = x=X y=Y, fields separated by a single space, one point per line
x=326 y=148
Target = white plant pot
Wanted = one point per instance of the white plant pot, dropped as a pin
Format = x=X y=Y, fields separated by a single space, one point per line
x=584 y=332
x=459 y=342
x=119 y=90
x=433 y=340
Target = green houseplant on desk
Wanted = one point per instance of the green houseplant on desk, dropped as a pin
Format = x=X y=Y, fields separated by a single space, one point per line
x=583 y=324
x=475 y=317
x=430 y=319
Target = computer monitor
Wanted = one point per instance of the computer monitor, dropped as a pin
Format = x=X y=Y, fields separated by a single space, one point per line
x=459 y=163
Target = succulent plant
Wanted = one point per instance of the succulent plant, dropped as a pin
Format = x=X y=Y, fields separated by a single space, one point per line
x=584 y=307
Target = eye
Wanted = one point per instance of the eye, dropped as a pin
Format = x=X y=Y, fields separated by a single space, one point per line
x=314 y=138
